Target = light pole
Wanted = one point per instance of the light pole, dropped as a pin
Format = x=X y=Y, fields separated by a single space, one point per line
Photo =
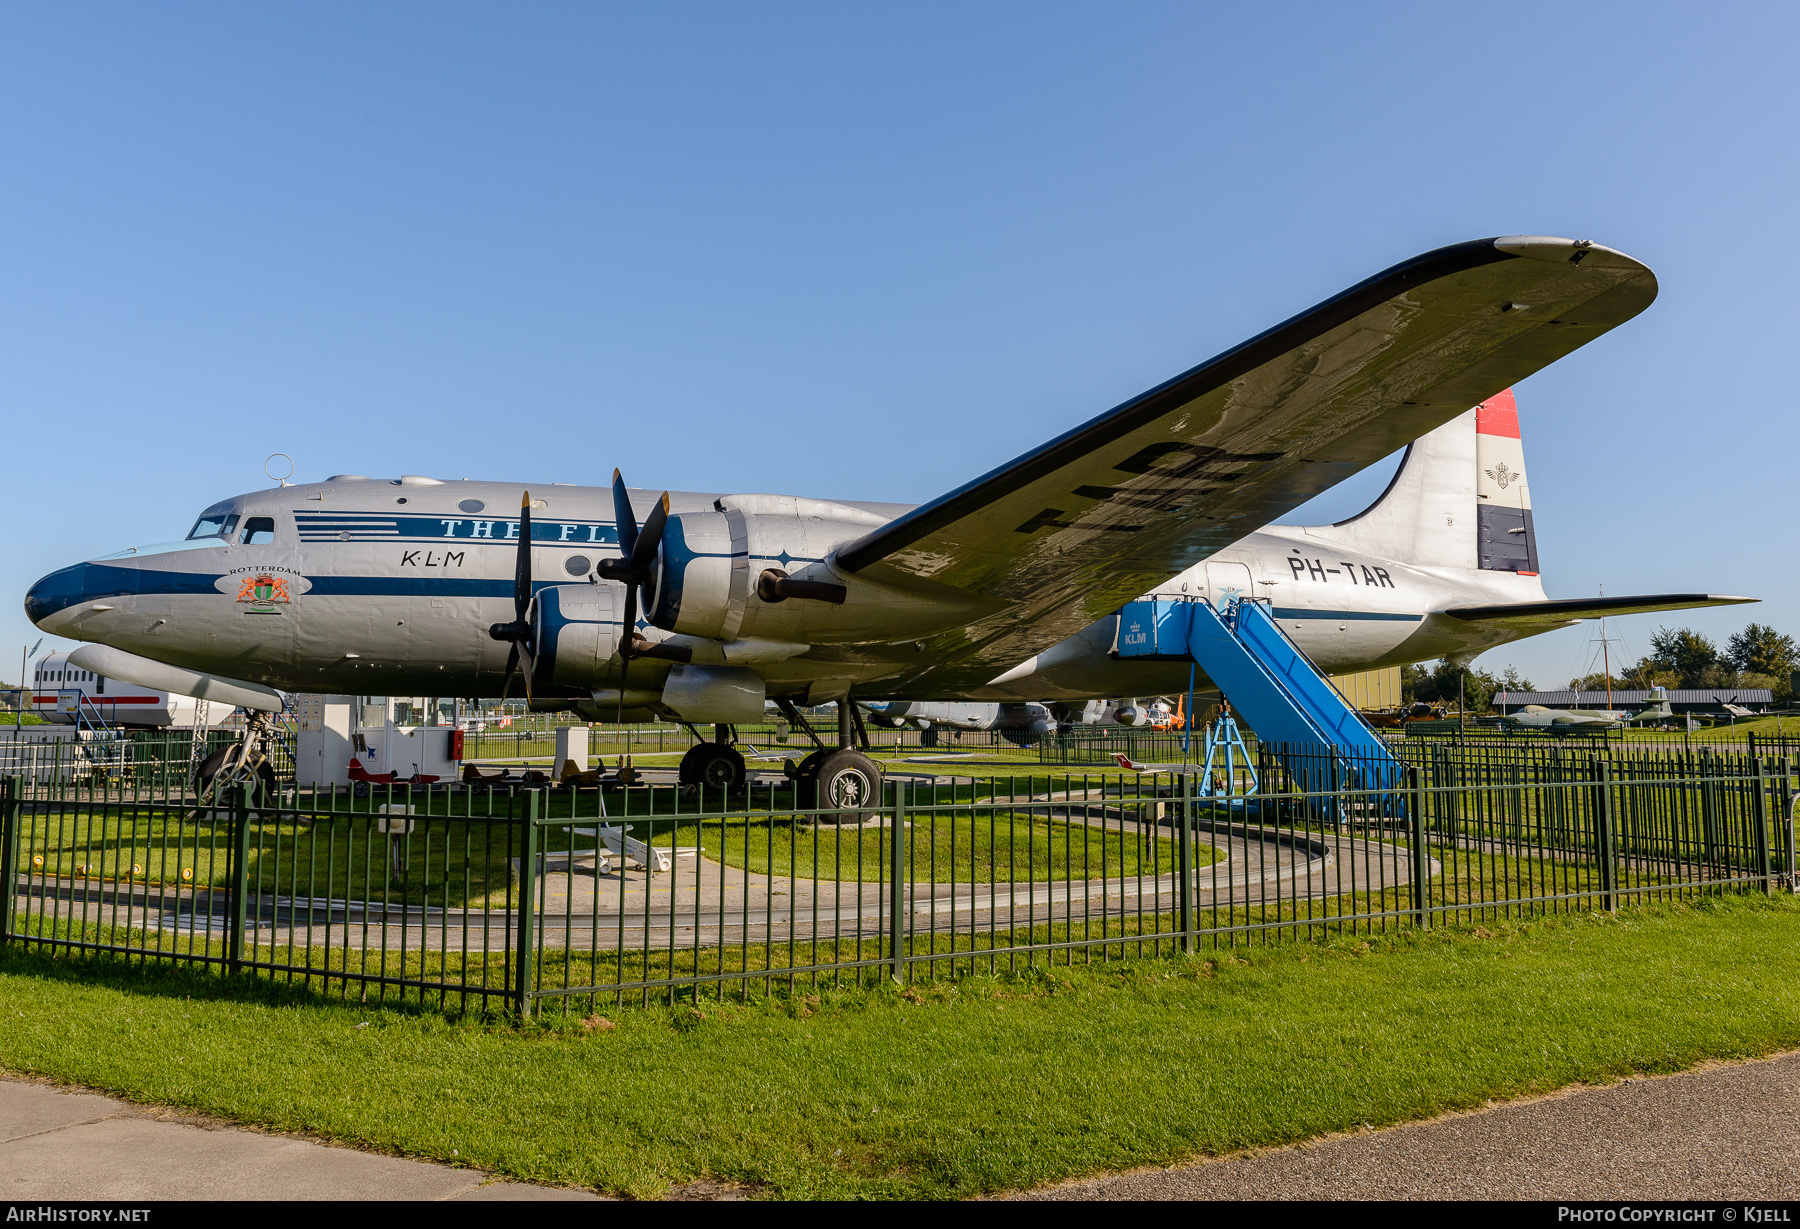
x=19 y=713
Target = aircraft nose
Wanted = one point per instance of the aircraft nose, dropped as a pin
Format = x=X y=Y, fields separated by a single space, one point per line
x=58 y=591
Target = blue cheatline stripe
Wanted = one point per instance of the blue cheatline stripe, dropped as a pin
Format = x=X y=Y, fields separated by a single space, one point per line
x=1289 y=612
x=411 y=586
x=323 y=526
x=102 y=581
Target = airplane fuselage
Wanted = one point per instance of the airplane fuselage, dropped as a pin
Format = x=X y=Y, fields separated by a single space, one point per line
x=365 y=586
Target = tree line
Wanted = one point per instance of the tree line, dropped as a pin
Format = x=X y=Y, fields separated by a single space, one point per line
x=1756 y=657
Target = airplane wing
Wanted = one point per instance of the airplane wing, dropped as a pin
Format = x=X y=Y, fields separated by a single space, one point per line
x=1072 y=530
x=1541 y=616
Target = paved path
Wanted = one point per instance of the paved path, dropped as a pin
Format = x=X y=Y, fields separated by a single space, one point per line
x=79 y=1145
x=1725 y=1133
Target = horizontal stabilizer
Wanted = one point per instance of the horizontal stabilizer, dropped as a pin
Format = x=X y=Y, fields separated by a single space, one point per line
x=1550 y=614
x=114 y=663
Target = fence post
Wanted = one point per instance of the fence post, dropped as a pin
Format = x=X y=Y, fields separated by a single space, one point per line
x=1603 y=834
x=527 y=906
x=1186 y=861
x=1416 y=836
x=1788 y=801
x=9 y=852
x=896 y=882
x=1760 y=816
x=240 y=876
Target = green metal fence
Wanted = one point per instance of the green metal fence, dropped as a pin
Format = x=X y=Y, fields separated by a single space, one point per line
x=146 y=763
x=511 y=900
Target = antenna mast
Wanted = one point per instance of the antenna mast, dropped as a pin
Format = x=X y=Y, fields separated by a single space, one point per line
x=1606 y=655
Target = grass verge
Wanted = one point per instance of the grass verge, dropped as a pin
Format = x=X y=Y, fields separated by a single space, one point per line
x=949 y=1089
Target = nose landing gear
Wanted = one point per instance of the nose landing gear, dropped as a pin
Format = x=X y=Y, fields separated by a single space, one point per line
x=245 y=762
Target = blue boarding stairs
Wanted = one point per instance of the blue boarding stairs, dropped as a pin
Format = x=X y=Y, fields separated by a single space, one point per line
x=1323 y=743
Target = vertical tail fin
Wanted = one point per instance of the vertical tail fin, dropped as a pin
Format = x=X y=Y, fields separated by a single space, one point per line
x=1458 y=500
x=1507 y=540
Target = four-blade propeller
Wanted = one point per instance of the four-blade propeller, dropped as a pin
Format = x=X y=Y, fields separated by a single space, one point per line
x=519 y=632
x=636 y=565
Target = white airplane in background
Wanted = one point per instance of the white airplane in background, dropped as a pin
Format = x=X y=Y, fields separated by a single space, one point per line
x=1027 y=719
x=1537 y=717
x=1004 y=589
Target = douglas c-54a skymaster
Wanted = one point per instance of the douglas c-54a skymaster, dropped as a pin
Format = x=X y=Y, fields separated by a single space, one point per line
x=701 y=606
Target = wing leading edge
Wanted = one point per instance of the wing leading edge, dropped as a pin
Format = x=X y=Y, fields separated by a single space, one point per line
x=1069 y=532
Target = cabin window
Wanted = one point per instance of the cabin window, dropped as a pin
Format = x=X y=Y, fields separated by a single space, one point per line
x=259 y=530
x=221 y=526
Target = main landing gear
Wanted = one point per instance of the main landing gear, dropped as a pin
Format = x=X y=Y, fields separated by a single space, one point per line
x=841 y=778
x=715 y=765
x=836 y=779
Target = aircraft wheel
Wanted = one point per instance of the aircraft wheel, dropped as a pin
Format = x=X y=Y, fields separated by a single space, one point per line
x=807 y=769
x=846 y=781
x=210 y=766
x=225 y=760
x=713 y=766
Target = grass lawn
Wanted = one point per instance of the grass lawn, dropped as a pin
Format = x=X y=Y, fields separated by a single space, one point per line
x=1732 y=732
x=455 y=861
x=948 y=1089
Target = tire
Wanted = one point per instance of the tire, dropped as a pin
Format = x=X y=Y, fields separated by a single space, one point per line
x=209 y=768
x=846 y=781
x=712 y=766
x=212 y=765
x=808 y=768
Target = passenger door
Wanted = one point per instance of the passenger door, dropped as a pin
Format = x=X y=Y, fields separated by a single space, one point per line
x=1225 y=581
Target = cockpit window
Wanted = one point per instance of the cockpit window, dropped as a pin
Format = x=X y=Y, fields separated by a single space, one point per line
x=259 y=530
x=221 y=526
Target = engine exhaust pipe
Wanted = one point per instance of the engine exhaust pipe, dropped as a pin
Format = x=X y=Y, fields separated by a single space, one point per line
x=775 y=585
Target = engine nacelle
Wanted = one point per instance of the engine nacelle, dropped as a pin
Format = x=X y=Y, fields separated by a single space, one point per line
x=758 y=566
x=730 y=695
x=577 y=632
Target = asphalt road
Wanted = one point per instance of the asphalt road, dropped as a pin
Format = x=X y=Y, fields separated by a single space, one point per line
x=1719 y=1133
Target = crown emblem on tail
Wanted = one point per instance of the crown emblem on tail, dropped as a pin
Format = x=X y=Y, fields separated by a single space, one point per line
x=1502 y=475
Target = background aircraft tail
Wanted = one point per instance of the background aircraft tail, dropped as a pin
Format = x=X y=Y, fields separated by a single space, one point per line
x=1458 y=500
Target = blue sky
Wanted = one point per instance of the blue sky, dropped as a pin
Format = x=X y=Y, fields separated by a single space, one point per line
x=861 y=251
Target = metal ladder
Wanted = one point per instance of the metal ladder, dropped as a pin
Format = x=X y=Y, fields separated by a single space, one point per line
x=198 y=732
